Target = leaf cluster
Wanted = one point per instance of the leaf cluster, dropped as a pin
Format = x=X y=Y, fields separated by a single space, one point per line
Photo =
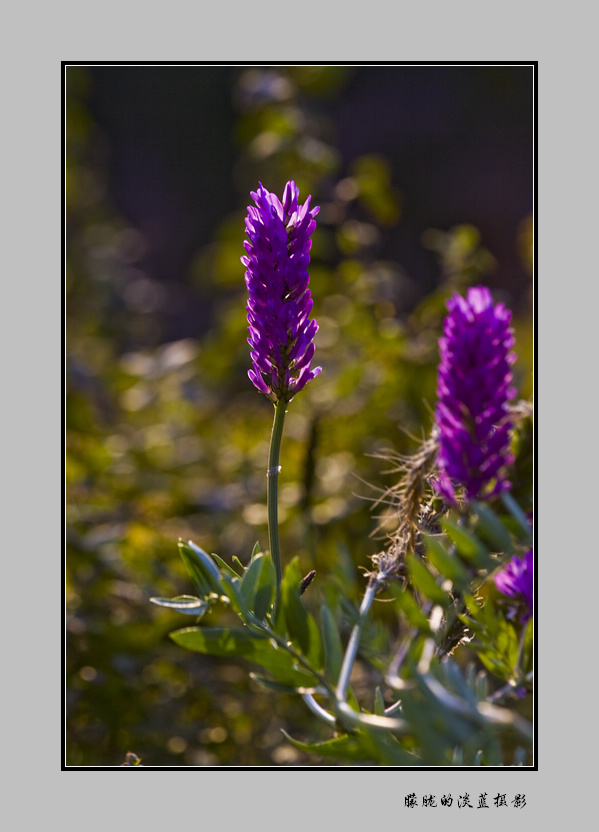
x=445 y=690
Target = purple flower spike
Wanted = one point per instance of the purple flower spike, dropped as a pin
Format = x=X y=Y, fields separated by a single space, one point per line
x=516 y=581
x=474 y=389
x=278 y=254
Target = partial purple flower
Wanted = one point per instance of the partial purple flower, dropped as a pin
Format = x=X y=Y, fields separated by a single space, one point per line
x=516 y=581
x=281 y=333
x=474 y=389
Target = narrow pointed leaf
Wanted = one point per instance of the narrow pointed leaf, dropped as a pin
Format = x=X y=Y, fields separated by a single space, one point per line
x=194 y=568
x=187 y=604
x=279 y=687
x=412 y=611
x=251 y=580
x=238 y=563
x=385 y=748
x=202 y=568
x=265 y=591
x=207 y=561
x=424 y=582
x=224 y=565
x=232 y=588
x=379 y=703
x=469 y=547
x=448 y=565
x=217 y=641
x=491 y=529
x=345 y=747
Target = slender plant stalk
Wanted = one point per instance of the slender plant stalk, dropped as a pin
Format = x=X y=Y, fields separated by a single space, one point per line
x=318 y=709
x=354 y=640
x=272 y=494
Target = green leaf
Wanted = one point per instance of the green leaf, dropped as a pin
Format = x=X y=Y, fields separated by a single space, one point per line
x=468 y=546
x=522 y=525
x=221 y=641
x=379 y=702
x=457 y=682
x=491 y=529
x=238 y=563
x=224 y=565
x=412 y=611
x=495 y=662
x=207 y=561
x=202 y=569
x=437 y=728
x=196 y=573
x=187 y=604
x=448 y=565
x=251 y=580
x=278 y=687
x=333 y=648
x=294 y=618
x=472 y=605
x=345 y=747
x=386 y=749
x=231 y=586
x=424 y=582
x=265 y=591
x=527 y=649
x=497 y=641
x=507 y=642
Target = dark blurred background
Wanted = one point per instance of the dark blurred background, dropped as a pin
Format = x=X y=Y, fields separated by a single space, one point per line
x=424 y=175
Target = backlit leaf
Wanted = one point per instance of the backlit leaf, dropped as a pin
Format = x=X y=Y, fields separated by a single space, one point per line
x=221 y=641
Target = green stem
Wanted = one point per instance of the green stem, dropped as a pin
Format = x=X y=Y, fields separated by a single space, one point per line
x=272 y=494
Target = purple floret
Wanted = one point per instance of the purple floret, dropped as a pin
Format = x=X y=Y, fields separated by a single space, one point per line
x=280 y=331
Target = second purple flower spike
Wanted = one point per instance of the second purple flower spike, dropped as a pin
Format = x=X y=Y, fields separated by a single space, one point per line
x=281 y=334
x=474 y=389
x=516 y=581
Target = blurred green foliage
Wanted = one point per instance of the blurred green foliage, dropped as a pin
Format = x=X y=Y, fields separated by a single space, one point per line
x=171 y=441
